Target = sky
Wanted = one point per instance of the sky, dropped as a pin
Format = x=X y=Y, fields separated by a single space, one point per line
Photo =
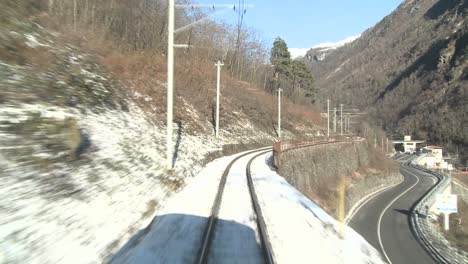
x=306 y=23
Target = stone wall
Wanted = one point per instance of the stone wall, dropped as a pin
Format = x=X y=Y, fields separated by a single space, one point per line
x=317 y=171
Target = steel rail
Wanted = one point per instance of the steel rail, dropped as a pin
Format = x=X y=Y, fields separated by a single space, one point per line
x=266 y=247
x=209 y=230
x=262 y=230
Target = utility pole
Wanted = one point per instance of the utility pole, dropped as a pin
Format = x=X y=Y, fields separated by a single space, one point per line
x=170 y=65
x=328 y=117
x=170 y=81
x=218 y=76
x=387 y=145
x=347 y=124
x=382 y=144
x=341 y=117
x=279 y=112
x=375 y=141
x=334 y=119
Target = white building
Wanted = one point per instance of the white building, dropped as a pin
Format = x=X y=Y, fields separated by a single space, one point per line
x=438 y=154
x=409 y=146
x=428 y=160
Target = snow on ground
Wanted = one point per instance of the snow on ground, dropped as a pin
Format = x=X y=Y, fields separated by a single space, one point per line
x=175 y=234
x=299 y=230
x=236 y=236
x=71 y=213
x=80 y=213
x=83 y=166
x=58 y=208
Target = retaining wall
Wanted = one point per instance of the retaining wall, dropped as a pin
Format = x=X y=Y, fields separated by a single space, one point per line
x=316 y=172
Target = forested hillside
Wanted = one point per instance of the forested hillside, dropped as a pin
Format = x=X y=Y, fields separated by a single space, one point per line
x=83 y=118
x=409 y=71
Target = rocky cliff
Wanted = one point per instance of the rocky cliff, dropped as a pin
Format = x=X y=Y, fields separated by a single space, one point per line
x=409 y=71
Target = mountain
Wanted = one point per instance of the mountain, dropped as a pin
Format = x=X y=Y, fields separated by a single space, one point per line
x=322 y=47
x=409 y=72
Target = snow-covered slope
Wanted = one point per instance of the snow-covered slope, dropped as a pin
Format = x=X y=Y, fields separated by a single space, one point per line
x=82 y=162
x=298 y=52
x=322 y=47
x=299 y=230
x=335 y=45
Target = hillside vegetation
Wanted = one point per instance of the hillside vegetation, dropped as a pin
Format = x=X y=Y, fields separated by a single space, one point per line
x=82 y=120
x=130 y=39
x=409 y=71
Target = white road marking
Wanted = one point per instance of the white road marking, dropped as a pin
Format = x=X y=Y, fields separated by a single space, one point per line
x=386 y=208
x=459 y=184
x=400 y=158
x=364 y=201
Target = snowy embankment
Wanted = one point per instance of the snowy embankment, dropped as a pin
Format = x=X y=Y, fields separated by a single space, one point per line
x=81 y=211
x=82 y=164
x=73 y=212
x=299 y=230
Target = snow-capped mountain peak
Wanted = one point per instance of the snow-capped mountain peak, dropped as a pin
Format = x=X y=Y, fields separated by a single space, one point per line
x=335 y=45
x=300 y=52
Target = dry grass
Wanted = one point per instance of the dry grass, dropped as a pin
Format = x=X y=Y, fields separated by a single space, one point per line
x=195 y=79
x=458 y=232
x=317 y=171
x=151 y=207
x=463 y=178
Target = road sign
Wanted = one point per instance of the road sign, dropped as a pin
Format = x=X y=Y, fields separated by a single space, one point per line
x=447 y=203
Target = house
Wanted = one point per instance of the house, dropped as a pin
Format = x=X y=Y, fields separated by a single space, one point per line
x=428 y=160
x=438 y=154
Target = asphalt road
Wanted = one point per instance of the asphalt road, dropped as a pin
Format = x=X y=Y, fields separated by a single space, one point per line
x=384 y=219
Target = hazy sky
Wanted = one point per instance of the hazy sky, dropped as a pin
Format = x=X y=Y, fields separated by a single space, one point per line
x=305 y=23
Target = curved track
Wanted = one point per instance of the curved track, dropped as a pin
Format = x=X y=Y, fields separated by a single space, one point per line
x=218 y=235
x=209 y=233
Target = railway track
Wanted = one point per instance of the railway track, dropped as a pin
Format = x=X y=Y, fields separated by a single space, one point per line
x=209 y=233
x=264 y=249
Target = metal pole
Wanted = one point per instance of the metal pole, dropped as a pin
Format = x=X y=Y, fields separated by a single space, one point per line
x=348 y=127
x=341 y=117
x=218 y=76
x=279 y=111
x=170 y=81
x=346 y=124
x=446 y=222
x=328 y=117
x=334 y=120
